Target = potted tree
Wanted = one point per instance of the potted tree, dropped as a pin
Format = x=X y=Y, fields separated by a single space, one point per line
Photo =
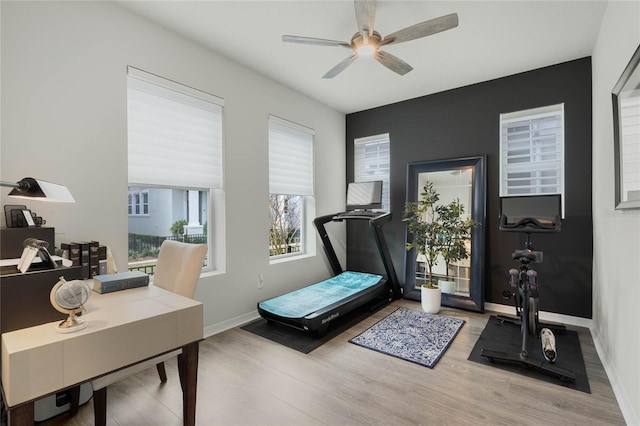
x=455 y=234
x=422 y=222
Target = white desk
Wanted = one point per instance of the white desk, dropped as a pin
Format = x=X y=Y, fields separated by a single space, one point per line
x=123 y=328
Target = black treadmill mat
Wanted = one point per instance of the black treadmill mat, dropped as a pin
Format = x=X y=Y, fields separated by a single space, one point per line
x=506 y=337
x=303 y=341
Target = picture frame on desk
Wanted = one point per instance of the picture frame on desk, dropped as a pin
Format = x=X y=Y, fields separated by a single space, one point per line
x=28 y=219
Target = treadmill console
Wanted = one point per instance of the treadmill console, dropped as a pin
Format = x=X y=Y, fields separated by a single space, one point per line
x=364 y=195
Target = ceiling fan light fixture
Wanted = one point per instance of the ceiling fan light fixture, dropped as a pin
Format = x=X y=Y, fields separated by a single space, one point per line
x=367 y=41
x=366 y=50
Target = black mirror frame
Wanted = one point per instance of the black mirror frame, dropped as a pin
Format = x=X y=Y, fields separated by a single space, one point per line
x=475 y=301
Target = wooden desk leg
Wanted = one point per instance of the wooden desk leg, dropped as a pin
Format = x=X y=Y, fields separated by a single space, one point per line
x=21 y=415
x=188 y=370
x=74 y=400
x=100 y=406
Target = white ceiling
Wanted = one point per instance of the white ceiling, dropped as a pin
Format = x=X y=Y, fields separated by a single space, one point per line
x=494 y=39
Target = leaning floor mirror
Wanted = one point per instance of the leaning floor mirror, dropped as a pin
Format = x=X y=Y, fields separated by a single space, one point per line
x=461 y=181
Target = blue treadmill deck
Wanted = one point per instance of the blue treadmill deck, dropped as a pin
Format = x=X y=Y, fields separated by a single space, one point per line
x=307 y=300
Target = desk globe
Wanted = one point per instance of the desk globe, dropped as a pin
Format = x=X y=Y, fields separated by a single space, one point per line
x=69 y=297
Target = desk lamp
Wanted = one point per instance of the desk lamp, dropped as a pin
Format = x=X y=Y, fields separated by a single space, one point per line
x=39 y=190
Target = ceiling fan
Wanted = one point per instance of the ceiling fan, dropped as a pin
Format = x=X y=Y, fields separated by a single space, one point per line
x=367 y=41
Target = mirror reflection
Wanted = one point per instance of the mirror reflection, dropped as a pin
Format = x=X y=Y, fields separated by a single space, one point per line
x=452 y=276
x=457 y=179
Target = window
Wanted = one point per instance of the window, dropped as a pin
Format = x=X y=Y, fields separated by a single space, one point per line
x=138 y=202
x=290 y=188
x=532 y=152
x=175 y=167
x=371 y=162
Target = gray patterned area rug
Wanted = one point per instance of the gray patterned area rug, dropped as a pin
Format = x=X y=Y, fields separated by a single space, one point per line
x=411 y=335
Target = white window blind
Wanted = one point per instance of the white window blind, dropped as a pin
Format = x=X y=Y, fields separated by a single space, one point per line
x=290 y=158
x=532 y=151
x=175 y=133
x=371 y=162
x=630 y=146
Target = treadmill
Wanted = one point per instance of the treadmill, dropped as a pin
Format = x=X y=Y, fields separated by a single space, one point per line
x=315 y=307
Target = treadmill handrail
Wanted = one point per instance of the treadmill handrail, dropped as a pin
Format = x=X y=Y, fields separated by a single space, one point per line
x=319 y=223
x=383 y=249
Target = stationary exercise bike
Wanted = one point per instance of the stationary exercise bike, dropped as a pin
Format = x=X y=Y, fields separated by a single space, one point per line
x=531 y=214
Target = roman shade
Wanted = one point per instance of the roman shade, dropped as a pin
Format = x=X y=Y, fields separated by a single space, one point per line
x=175 y=133
x=290 y=158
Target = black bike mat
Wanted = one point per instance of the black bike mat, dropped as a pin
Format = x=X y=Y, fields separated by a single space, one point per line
x=303 y=341
x=506 y=337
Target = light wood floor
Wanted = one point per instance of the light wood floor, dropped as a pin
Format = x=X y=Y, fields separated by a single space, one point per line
x=247 y=380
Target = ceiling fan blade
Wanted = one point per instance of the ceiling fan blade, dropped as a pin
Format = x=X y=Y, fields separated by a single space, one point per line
x=422 y=29
x=340 y=67
x=313 y=41
x=392 y=62
x=366 y=16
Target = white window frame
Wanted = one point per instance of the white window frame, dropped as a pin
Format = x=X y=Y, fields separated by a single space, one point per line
x=536 y=148
x=285 y=180
x=362 y=167
x=183 y=168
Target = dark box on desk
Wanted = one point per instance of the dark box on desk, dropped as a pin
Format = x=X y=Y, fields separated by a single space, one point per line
x=24 y=298
x=13 y=240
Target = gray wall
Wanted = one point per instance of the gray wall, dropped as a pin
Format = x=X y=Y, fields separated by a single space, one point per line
x=616 y=233
x=465 y=122
x=64 y=81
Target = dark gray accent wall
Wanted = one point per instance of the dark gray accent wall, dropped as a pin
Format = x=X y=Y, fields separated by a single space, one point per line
x=465 y=122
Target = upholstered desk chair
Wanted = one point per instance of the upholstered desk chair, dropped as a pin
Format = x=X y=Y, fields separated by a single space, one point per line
x=178 y=269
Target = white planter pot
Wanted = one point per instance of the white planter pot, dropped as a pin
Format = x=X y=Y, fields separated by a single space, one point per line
x=430 y=299
x=447 y=286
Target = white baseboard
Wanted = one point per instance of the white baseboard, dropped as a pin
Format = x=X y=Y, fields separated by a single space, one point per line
x=631 y=417
x=544 y=316
x=230 y=323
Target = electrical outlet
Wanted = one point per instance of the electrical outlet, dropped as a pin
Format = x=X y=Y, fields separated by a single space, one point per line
x=260 y=281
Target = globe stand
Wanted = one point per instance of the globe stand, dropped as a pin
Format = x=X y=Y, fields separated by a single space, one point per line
x=72 y=323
